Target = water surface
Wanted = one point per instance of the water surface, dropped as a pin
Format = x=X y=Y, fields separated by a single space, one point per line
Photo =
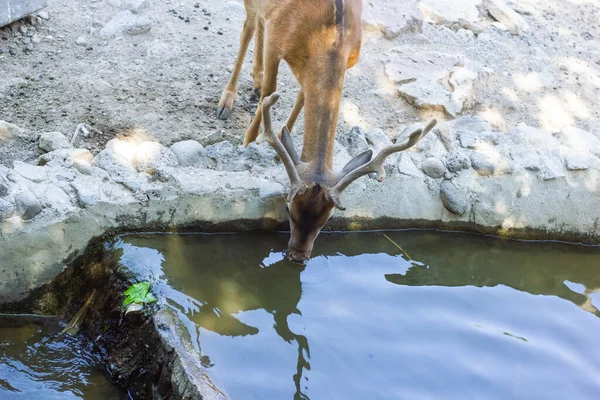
x=400 y=315
x=36 y=362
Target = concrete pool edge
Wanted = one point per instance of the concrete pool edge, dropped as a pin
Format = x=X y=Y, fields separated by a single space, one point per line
x=35 y=252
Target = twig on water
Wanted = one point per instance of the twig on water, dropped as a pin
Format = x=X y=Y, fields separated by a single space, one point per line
x=398 y=246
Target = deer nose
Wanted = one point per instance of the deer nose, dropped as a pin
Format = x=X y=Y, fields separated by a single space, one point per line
x=298 y=256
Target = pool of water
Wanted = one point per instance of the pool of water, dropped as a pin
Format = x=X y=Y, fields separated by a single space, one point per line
x=396 y=315
x=36 y=362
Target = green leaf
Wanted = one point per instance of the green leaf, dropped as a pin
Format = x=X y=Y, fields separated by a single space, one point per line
x=138 y=293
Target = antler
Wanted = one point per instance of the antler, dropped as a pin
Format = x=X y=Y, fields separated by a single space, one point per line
x=273 y=140
x=376 y=164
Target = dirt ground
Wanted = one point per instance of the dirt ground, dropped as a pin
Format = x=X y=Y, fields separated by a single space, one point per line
x=59 y=73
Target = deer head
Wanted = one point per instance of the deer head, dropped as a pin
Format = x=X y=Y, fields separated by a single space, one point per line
x=314 y=195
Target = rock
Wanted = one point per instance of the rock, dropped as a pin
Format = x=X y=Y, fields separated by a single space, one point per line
x=88 y=191
x=524 y=135
x=470 y=25
x=235 y=5
x=433 y=168
x=118 y=165
x=31 y=172
x=465 y=34
x=188 y=152
x=135 y=313
x=9 y=131
x=80 y=159
x=269 y=189
x=213 y=138
x=52 y=196
x=454 y=199
x=125 y=23
x=392 y=17
x=3 y=189
x=11 y=11
x=547 y=166
x=577 y=160
x=498 y=9
x=152 y=158
x=435 y=81
x=27 y=205
x=354 y=141
x=6 y=209
x=377 y=140
x=406 y=166
x=44 y=15
x=51 y=141
x=81 y=41
x=580 y=140
x=446 y=13
x=457 y=161
x=482 y=164
x=136 y=6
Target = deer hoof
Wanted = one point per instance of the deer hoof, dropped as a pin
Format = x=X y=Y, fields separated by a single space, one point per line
x=222 y=113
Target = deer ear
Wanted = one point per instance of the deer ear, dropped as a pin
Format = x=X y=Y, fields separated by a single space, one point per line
x=286 y=140
x=357 y=161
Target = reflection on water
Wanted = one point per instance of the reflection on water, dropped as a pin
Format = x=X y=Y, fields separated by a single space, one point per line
x=401 y=315
x=38 y=363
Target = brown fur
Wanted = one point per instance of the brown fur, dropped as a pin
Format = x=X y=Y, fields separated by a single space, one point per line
x=319 y=39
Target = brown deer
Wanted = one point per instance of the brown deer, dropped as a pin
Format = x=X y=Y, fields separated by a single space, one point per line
x=319 y=39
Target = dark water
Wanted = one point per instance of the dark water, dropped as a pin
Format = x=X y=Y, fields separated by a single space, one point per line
x=38 y=363
x=447 y=316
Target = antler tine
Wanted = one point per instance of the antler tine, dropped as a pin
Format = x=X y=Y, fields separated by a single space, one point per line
x=273 y=140
x=377 y=163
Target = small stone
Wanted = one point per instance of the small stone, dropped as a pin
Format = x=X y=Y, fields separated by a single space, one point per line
x=213 y=138
x=268 y=190
x=457 y=161
x=51 y=141
x=515 y=23
x=125 y=23
x=27 y=205
x=188 y=152
x=433 y=168
x=465 y=34
x=135 y=313
x=6 y=209
x=393 y=18
x=81 y=41
x=44 y=15
x=482 y=164
x=454 y=199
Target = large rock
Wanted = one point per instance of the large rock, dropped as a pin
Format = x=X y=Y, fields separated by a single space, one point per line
x=51 y=141
x=433 y=168
x=31 y=172
x=432 y=80
x=392 y=17
x=490 y=164
x=448 y=12
x=13 y=10
x=27 y=205
x=455 y=200
x=10 y=131
x=498 y=9
x=457 y=161
x=188 y=152
x=580 y=140
x=125 y=23
x=153 y=158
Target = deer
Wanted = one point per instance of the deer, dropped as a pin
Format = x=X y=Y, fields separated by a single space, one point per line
x=319 y=40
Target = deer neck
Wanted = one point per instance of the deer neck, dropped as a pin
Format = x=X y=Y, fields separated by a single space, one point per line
x=323 y=92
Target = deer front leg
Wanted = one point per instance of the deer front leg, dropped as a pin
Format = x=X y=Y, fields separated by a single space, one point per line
x=258 y=66
x=269 y=86
x=291 y=121
x=230 y=92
